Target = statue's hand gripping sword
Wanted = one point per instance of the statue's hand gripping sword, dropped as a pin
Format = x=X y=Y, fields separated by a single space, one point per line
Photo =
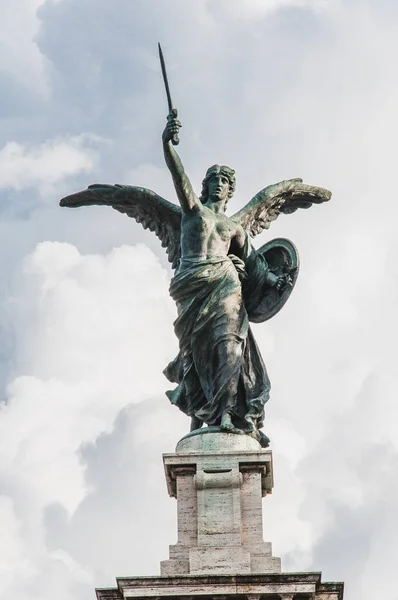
x=173 y=114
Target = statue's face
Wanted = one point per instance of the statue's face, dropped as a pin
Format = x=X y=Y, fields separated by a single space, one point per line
x=218 y=186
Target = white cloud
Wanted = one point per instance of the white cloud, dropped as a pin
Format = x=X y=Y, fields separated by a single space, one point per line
x=19 y=54
x=92 y=335
x=46 y=166
x=252 y=9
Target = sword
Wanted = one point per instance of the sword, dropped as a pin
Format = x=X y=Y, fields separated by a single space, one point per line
x=173 y=114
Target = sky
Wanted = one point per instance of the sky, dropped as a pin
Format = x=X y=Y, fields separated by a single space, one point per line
x=276 y=90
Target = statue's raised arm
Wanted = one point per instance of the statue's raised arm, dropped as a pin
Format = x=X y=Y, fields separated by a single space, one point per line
x=183 y=187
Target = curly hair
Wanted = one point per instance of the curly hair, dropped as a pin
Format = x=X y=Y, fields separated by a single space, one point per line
x=215 y=170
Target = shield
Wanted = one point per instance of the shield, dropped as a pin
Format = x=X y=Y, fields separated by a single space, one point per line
x=283 y=260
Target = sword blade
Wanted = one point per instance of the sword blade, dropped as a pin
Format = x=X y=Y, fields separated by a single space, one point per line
x=166 y=82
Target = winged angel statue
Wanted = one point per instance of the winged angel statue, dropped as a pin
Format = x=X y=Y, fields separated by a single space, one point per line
x=220 y=283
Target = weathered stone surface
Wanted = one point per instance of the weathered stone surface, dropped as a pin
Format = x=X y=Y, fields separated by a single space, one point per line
x=220 y=551
x=275 y=586
x=221 y=559
x=219 y=480
x=205 y=440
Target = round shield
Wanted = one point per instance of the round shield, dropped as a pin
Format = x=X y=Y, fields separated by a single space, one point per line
x=283 y=261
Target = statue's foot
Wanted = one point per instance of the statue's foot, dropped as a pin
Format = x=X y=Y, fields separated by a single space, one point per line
x=226 y=422
x=263 y=439
x=196 y=423
x=255 y=433
x=251 y=427
x=227 y=425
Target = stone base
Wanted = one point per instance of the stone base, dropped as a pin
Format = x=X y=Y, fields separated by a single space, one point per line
x=276 y=586
x=219 y=560
x=219 y=480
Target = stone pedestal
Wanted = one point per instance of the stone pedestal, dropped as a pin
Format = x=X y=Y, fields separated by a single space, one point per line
x=219 y=480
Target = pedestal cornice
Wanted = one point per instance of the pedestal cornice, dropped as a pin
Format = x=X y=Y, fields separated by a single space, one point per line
x=275 y=586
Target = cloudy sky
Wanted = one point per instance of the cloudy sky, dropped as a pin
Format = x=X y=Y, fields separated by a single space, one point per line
x=276 y=89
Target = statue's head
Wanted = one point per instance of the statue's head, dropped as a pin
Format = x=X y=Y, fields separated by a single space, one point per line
x=213 y=171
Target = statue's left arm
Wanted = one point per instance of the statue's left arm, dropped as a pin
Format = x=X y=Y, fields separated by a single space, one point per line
x=256 y=266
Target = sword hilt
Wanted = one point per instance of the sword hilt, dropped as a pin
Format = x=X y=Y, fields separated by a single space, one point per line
x=173 y=114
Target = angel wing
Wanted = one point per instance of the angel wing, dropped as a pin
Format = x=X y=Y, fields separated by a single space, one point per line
x=284 y=197
x=152 y=211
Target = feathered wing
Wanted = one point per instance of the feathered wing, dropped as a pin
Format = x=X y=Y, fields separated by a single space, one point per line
x=152 y=211
x=284 y=197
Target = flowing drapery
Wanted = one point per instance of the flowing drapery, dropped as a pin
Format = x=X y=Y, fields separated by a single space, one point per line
x=219 y=367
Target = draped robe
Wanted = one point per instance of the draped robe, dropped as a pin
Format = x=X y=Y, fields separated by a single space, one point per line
x=219 y=367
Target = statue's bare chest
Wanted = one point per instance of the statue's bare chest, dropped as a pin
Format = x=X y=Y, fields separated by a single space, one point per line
x=206 y=223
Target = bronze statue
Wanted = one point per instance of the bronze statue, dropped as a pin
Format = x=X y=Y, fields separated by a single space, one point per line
x=220 y=283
